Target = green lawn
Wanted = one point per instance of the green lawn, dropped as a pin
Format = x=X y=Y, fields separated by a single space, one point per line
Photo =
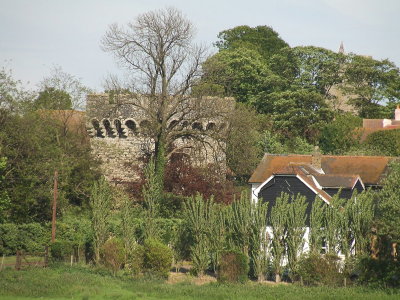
x=84 y=283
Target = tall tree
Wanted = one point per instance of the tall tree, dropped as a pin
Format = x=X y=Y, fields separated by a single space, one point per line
x=370 y=83
x=263 y=39
x=50 y=98
x=163 y=62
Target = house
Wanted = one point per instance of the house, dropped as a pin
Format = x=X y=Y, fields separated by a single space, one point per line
x=373 y=125
x=316 y=175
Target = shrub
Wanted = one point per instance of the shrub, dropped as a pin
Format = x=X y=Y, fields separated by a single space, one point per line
x=135 y=261
x=318 y=269
x=378 y=272
x=59 y=250
x=157 y=258
x=113 y=254
x=233 y=267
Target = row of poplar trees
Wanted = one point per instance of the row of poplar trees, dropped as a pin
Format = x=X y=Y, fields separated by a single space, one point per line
x=277 y=240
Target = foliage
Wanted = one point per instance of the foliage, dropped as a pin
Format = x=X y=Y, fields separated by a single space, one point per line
x=35 y=145
x=135 y=261
x=361 y=214
x=384 y=142
x=241 y=72
x=197 y=213
x=113 y=254
x=316 y=269
x=278 y=221
x=317 y=223
x=370 y=82
x=127 y=223
x=152 y=193
x=263 y=39
x=30 y=238
x=240 y=223
x=4 y=198
x=61 y=84
x=342 y=134
x=157 y=258
x=296 y=228
x=60 y=249
x=101 y=203
x=60 y=282
x=258 y=240
x=234 y=267
x=51 y=98
x=300 y=113
x=218 y=233
x=242 y=150
x=318 y=69
x=388 y=212
x=382 y=273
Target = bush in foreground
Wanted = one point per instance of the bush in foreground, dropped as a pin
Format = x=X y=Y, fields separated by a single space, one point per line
x=113 y=254
x=234 y=267
x=318 y=270
x=157 y=258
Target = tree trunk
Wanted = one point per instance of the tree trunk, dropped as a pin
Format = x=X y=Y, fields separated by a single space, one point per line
x=277 y=278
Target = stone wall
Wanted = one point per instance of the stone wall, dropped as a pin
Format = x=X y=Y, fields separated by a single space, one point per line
x=117 y=135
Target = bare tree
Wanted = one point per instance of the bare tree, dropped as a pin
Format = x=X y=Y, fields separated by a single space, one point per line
x=157 y=49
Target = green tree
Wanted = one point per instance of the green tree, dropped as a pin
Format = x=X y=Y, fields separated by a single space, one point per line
x=317 y=223
x=243 y=152
x=318 y=69
x=278 y=221
x=4 y=198
x=152 y=193
x=241 y=72
x=388 y=208
x=50 y=98
x=371 y=82
x=263 y=39
x=198 y=214
x=342 y=134
x=300 y=113
x=101 y=202
x=296 y=229
x=258 y=239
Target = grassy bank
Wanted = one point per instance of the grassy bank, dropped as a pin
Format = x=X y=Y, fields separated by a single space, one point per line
x=84 y=283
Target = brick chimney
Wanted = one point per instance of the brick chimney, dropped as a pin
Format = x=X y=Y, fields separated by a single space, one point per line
x=316 y=158
x=397 y=113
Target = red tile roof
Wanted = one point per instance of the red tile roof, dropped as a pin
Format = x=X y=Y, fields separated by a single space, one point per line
x=371 y=169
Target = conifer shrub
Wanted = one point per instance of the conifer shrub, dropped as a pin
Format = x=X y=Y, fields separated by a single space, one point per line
x=233 y=267
x=157 y=259
x=318 y=270
x=113 y=254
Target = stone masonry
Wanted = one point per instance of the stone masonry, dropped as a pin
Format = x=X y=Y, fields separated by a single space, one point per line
x=117 y=136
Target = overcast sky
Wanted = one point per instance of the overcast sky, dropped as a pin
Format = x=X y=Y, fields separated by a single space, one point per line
x=37 y=34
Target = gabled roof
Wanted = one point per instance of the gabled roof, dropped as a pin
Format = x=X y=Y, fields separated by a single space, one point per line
x=371 y=169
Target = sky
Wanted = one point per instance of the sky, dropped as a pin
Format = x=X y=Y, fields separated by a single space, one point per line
x=36 y=35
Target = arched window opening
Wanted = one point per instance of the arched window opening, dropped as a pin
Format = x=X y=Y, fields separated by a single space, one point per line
x=211 y=126
x=96 y=126
x=197 y=126
x=173 y=124
x=131 y=126
x=109 y=130
x=118 y=127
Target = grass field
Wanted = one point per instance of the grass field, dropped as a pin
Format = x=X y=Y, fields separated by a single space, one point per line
x=84 y=283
